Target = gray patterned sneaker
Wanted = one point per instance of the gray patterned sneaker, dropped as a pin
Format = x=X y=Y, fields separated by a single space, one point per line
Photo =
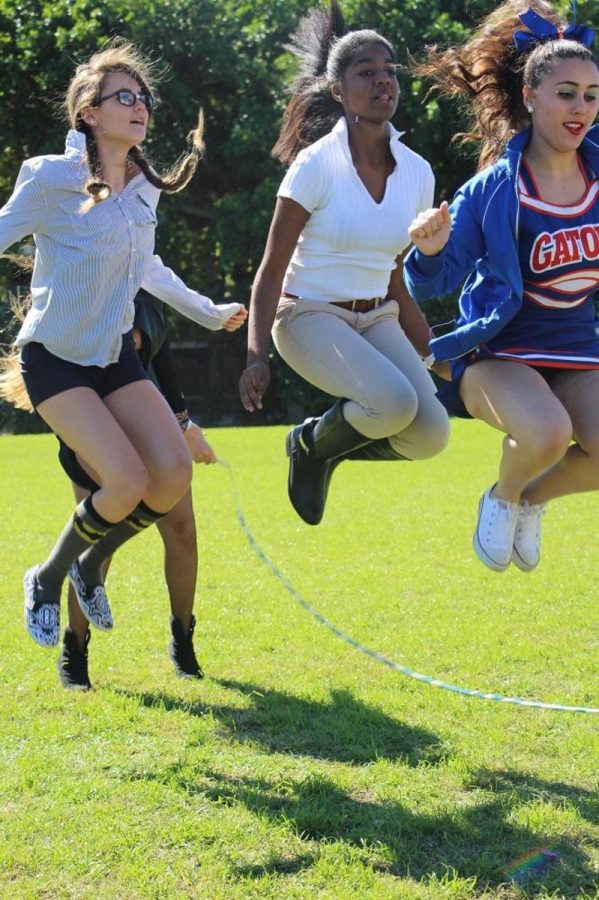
x=42 y=618
x=92 y=600
x=72 y=663
x=181 y=650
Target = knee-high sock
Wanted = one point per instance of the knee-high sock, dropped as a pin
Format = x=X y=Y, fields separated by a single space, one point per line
x=83 y=530
x=90 y=562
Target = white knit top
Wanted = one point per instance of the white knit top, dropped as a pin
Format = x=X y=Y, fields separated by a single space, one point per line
x=348 y=247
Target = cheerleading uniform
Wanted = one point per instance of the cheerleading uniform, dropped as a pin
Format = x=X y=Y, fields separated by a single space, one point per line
x=558 y=249
x=503 y=235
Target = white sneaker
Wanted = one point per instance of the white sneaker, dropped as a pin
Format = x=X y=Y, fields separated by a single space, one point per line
x=494 y=534
x=527 y=537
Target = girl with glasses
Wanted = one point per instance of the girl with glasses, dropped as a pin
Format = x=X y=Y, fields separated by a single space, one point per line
x=177 y=528
x=92 y=212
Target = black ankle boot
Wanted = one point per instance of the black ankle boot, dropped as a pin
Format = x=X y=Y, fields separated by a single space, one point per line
x=312 y=449
x=180 y=649
x=72 y=662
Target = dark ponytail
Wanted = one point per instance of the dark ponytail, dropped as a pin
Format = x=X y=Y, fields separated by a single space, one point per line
x=311 y=111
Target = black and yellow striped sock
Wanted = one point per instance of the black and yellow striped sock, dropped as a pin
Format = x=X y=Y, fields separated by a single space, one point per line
x=91 y=561
x=83 y=529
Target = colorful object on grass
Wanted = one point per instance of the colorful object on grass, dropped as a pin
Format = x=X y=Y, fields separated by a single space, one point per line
x=531 y=866
x=373 y=654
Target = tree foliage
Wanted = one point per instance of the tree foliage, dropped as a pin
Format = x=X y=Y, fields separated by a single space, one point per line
x=227 y=56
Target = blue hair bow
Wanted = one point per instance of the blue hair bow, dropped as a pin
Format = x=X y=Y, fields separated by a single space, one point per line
x=542 y=30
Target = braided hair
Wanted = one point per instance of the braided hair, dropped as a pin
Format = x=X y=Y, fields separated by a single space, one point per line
x=85 y=91
x=324 y=48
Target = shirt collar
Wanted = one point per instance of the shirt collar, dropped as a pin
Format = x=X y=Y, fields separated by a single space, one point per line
x=341 y=133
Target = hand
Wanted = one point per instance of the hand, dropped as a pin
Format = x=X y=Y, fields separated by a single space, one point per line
x=430 y=230
x=253 y=384
x=236 y=321
x=200 y=449
x=442 y=368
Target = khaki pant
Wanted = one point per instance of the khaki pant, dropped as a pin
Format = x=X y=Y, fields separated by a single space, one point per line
x=367 y=359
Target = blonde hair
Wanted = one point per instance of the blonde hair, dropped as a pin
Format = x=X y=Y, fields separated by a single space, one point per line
x=12 y=386
x=85 y=91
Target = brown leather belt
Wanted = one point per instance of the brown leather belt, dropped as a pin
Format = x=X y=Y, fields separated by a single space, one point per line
x=360 y=306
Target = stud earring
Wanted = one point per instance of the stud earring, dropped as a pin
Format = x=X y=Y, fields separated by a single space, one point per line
x=529 y=109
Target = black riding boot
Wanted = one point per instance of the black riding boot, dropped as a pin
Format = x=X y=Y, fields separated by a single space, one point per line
x=311 y=448
x=376 y=450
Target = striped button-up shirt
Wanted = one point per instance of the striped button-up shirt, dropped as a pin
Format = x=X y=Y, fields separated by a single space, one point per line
x=91 y=260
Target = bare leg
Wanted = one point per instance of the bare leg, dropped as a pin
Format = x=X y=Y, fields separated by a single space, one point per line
x=578 y=470
x=145 y=417
x=178 y=533
x=516 y=400
x=84 y=422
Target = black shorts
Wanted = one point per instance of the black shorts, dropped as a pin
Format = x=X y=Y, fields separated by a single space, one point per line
x=75 y=471
x=46 y=375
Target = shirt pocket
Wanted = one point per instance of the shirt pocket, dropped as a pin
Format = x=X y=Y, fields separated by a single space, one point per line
x=87 y=221
x=142 y=213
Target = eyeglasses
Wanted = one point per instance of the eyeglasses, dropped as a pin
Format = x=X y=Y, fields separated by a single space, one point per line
x=130 y=98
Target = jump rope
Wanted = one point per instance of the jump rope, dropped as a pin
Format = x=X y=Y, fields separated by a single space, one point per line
x=373 y=654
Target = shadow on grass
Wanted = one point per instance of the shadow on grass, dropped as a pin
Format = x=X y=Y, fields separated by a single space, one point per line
x=478 y=842
x=474 y=837
x=342 y=730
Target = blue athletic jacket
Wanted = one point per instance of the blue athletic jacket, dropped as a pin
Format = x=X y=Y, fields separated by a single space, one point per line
x=483 y=245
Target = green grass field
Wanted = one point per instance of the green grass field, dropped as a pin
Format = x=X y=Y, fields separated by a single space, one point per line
x=300 y=767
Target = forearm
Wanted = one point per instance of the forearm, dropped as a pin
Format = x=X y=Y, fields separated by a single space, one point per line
x=163 y=283
x=266 y=293
x=414 y=323
x=411 y=317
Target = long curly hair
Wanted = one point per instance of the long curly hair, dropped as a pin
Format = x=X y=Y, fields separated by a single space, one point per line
x=85 y=90
x=487 y=73
x=324 y=49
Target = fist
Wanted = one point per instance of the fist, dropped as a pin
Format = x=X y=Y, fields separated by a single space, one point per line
x=430 y=230
x=236 y=321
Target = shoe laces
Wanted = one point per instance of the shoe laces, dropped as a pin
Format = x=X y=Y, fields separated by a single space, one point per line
x=501 y=516
x=529 y=519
